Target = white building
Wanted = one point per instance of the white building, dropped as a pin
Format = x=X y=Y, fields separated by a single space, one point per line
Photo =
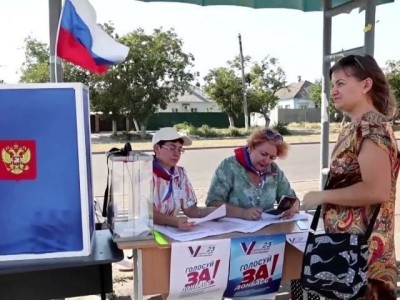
x=296 y=96
x=194 y=101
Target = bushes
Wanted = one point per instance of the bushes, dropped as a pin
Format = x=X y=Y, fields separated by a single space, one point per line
x=186 y=128
x=206 y=131
x=281 y=128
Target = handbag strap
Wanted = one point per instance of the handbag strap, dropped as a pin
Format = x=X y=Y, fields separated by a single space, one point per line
x=370 y=227
x=108 y=187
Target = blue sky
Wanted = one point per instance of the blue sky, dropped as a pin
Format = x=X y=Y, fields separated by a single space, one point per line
x=210 y=33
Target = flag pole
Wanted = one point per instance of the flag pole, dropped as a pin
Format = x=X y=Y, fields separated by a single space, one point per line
x=54 y=22
x=57 y=65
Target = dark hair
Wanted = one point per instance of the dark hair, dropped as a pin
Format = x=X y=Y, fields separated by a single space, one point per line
x=160 y=143
x=363 y=67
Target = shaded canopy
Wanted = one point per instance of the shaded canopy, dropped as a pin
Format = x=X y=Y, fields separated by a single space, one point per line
x=304 y=5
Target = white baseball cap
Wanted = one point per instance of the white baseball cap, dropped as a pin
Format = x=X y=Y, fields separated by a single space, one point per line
x=170 y=134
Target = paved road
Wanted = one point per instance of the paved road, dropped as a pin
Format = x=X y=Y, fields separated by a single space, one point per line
x=301 y=166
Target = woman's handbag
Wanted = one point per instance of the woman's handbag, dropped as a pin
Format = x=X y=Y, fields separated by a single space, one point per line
x=335 y=264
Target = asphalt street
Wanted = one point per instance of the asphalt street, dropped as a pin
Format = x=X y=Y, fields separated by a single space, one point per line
x=301 y=166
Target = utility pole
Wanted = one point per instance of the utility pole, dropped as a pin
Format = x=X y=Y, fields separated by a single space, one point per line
x=245 y=108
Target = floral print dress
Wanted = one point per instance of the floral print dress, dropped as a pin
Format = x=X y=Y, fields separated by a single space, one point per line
x=345 y=171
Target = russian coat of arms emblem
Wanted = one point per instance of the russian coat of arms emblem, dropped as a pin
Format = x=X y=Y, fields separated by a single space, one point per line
x=16 y=158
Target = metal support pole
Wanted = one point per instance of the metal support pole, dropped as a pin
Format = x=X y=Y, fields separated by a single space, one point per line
x=326 y=49
x=54 y=16
x=245 y=107
x=369 y=35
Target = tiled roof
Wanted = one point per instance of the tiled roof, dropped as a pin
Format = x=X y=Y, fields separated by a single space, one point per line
x=195 y=95
x=298 y=89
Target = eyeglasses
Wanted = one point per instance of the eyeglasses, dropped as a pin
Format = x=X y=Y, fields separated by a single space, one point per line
x=273 y=136
x=173 y=148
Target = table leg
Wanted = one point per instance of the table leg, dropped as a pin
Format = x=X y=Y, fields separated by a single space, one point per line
x=102 y=282
x=138 y=274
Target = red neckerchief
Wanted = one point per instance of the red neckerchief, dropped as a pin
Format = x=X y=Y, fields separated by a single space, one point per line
x=161 y=172
x=243 y=158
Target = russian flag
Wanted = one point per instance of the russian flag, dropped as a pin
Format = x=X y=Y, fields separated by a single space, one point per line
x=82 y=42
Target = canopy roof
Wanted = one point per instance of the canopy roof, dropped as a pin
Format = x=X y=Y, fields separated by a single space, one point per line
x=304 y=5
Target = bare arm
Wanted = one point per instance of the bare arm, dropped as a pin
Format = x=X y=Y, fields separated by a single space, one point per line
x=174 y=221
x=374 y=188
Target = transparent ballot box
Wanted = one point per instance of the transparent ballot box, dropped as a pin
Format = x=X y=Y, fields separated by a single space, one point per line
x=130 y=208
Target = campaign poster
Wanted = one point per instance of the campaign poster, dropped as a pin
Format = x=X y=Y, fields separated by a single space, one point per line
x=199 y=269
x=256 y=266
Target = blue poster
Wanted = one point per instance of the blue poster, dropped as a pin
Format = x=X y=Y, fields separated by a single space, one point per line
x=45 y=174
x=255 y=266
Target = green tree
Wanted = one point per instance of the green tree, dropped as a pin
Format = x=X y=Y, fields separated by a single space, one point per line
x=266 y=78
x=392 y=70
x=106 y=90
x=316 y=93
x=225 y=88
x=156 y=71
x=35 y=68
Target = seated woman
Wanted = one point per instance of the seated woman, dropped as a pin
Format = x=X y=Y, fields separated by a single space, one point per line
x=250 y=182
x=172 y=189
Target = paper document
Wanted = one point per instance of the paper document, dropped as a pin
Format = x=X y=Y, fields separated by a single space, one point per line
x=216 y=214
x=224 y=225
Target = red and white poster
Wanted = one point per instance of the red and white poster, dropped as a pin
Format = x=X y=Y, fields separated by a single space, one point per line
x=199 y=269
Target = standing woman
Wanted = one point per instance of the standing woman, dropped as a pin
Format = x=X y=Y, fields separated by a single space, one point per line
x=364 y=168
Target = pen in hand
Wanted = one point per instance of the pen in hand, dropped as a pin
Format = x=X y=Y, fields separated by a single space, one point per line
x=252 y=202
x=255 y=211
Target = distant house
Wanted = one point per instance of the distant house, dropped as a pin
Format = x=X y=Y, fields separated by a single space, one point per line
x=294 y=105
x=194 y=100
x=295 y=95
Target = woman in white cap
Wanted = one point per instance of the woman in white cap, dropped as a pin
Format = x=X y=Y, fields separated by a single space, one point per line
x=172 y=189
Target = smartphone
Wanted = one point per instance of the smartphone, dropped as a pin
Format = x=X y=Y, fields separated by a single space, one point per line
x=302 y=225
x=285 y=203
